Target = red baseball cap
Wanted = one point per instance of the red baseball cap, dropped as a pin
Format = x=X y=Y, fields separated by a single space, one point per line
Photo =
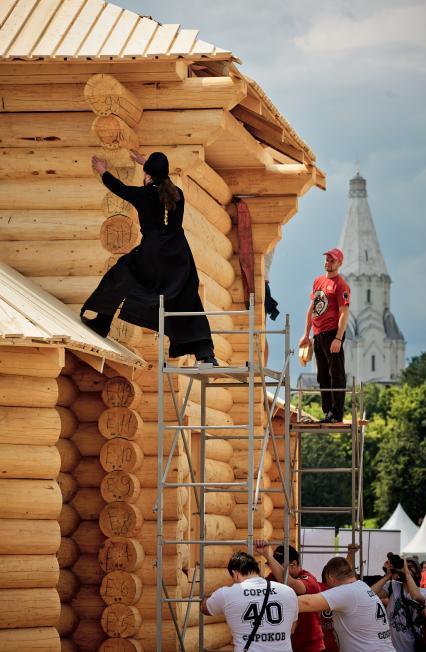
x=336 y=254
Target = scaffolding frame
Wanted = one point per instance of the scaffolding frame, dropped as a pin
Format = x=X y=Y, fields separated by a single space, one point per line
x=250 y=375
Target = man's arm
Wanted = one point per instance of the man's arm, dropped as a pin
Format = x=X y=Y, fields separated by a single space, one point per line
x=203 y=607
x=336 y=344
x=263 y=548
x=293 y=627
x=378 y=586
x=308 y=325
x=312 y=602
x=412 y=587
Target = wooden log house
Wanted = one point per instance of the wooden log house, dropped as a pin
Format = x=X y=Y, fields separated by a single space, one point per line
x=78 y=413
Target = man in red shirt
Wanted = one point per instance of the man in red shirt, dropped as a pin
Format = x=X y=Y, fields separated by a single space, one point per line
x=328 y=314
x=308 y=635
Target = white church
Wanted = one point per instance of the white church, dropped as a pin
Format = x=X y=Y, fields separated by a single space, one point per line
x=374 y=347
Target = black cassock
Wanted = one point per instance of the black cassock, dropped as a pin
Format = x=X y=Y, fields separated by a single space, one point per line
x=161 y=264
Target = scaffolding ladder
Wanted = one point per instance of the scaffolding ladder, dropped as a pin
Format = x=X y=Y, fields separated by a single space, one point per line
x=252 y=374
x=356 y=429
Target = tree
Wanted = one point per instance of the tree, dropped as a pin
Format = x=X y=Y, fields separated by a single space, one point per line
x=415 y=374
x=401 y=458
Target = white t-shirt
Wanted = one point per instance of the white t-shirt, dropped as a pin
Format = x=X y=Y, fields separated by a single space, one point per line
x=402 y=633
x=241 y=603
x=359 y=618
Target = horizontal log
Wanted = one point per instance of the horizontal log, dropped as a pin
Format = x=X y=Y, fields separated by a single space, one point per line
x=88 y=503
x=196 y=222
x=172 y=571
x=28 y=537
x=89 y=537
x=68 y=486
x=67 y=645
x=68 y=420
x=216 y=636
x=174 y=530
x=213 y=417
x=240 y=516
x=120 y=392
x=119 y=234
x=88 y=570
x=290 y=179
x=209 y=180
x=269 y=209
x=174 y=502
x=121 y=553
x=147 y=473
x=120 y=422
x=214 y=578
x=214 y=292
x=219 y=449
x=181 y=127
x=68 y=585
x=88 y=380
x=68 y=289
x=216 y=397
x=68 y=520
x=219 y=503
x=28 y=571
x=217 y=471
x=88 y=440
x=210 y=262
x=120 y=519
x=70 y=456
x=121 y=645
x=121 y=454
x=114 y=133
x=107 y=96
x=217 y=556
x=40 y=258
x=88 y=636
x=120 y=586
x=43 y=639
x=119 y=620
x=28 y=608
x=68 y=552
x=219 y=527
x=89 y=472
x=32 y=499
x=23 y=461
x=32 y=391
x=88 y=603
x=31 y=361
x=35 y=426
x=120 y=485
x=66 y=193
x=88 y=406
x=201 y=200
x=239 y=463
x=47 y=130
x=68 y=621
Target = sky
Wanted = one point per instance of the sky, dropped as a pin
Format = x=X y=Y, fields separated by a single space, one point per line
x=350 y=76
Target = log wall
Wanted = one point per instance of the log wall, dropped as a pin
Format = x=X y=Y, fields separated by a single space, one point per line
x=61 y=227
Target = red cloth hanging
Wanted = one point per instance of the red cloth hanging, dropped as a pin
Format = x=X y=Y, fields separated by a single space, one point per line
x=245 y=246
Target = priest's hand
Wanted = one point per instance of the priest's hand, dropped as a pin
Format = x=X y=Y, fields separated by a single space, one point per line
x=99 y=164
x=137 y=157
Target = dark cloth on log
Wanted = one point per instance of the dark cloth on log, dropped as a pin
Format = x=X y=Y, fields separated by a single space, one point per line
x=161 y=264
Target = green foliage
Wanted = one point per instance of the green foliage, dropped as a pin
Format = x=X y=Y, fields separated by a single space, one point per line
x=394 y=457
x=415 y=374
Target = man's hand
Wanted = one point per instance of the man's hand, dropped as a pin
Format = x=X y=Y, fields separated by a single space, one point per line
x=335 y=346
x=262 y=547
x=304 y=341
x=99 y=164
x=137 y=157
x=388 y=568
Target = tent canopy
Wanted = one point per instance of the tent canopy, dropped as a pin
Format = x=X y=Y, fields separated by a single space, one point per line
x=417 y=545
x=401 y=521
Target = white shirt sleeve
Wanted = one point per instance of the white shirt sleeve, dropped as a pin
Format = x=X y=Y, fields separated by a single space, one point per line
x=339 y=598
x=216 y=602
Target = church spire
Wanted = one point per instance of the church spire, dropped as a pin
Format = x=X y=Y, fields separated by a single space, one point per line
x=359 y=241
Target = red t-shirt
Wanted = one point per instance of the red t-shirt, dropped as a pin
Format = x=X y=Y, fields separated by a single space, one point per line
x=328 y=295
x=326 y=620
x=308 y=633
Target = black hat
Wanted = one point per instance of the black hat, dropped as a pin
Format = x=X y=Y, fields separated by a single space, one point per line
x=157 y=165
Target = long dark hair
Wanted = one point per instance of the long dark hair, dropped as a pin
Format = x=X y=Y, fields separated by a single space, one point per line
x=168 y=193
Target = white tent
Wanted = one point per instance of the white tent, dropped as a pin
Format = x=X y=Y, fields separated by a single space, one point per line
x=401 y=521
x=417 y=545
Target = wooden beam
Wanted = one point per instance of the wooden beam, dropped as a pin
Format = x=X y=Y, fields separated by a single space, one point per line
x=235 y=147
x=107 y=96
x=208 y=179
x=182 y=127
x=269 y=209
x=45 y=362
x=59 y=72
x=277 y=180
x=94 y=361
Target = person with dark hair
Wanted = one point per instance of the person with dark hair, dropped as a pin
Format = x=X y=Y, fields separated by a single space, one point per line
x=308 y=636
x=161 y=265
x=328 y=314
x=260 y=614
x=405 y=601
x=358 y=614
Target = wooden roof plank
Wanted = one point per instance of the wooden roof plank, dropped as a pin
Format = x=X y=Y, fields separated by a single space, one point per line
x=58 y=27
x=33 y=28
x=120 y=35
x=14 y=23
x=163 y=39
x=5 y=8
x=202 y=47
x=184 y=42
x=100 y=31
x=77 y=32
x=141 y=38
x=14 y=324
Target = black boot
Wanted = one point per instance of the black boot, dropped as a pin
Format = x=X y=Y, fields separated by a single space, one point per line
x=99 y=324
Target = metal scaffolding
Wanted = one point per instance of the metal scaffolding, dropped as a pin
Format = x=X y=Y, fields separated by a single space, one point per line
x=251 y=375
